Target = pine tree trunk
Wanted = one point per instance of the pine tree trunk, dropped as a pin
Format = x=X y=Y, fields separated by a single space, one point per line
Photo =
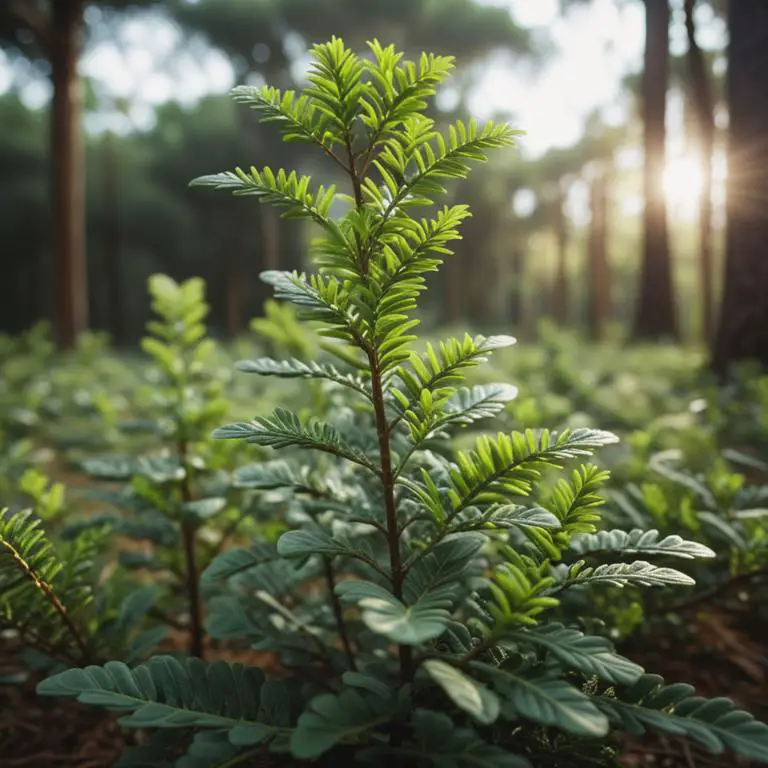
x=701 y=93
x=743 y=326
x=67 y=167
x=560 y=290
x=655 y=316
x=111 y=255
x=516 y=295
x=235 y=283
x=270 y=238
x=599 y=272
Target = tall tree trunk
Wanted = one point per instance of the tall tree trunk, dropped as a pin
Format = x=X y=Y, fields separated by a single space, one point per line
x=270 y=238
x=235 y=281
x=655 y=313
x=515 y=308
x=111 y=245
x=599 y=271
x=701 y=96
x=743 y=326
x=68 y=198
x=560 y=290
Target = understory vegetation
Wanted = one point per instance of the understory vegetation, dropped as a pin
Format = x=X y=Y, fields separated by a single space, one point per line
x=341 y=542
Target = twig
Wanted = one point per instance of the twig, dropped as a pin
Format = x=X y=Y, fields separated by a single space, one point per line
x=337 y=612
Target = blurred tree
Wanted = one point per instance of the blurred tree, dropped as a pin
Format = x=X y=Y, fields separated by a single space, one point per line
x=655 y=315
x=22 y=199
x=599 y=146
x=267 y=35
x=702 y=98
x=599 y=286
x=552 y=176
x=54 y=30
x=743 y=325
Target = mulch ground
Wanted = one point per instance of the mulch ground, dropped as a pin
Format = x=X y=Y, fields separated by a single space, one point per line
x=724 y=655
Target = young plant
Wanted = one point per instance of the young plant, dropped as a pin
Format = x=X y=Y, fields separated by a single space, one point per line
x=167 y=495
x=412 y=602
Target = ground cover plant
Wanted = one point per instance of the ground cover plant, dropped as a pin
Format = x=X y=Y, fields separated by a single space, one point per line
x=412 y=597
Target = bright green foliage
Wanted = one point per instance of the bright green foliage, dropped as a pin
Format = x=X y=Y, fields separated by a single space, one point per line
x=50 y=597
x=39 y=596
x=169 y=495
x=414 y=598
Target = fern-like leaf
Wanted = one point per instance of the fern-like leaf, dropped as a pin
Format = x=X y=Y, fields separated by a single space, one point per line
x=291 y=369
x=641 y=573
x=641 y=542
x=717 y=724
x=333 y=719
x=424 y=619
x=283 y=189
x=590 y=655
x=40 y=595
x=166 y=693
x=545 y=700
x=284 y=429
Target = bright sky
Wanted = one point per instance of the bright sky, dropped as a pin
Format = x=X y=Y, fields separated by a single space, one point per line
x=596 y=45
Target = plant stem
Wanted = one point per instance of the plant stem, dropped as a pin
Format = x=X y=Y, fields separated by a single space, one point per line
x=342 y=627
x=387 y=479
x=189 y=538
x=405 y=652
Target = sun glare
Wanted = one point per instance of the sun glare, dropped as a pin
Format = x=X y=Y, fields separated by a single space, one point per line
x=682 y=184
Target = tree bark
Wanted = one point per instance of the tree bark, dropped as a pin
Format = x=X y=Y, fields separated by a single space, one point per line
x=703 y=102
x=270 y=238
x=515 y=309
x=743 y=325
x=67 y=194
x=111 y=243
x=235 y=285
x=599 y=272
x=560 y=290
x=655 y=316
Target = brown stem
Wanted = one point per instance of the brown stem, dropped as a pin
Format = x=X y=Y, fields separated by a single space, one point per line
x=387 y=479
x=52 y=598
x=405 y=652
x=188 y=534
x=356 y=184
x=337 y=612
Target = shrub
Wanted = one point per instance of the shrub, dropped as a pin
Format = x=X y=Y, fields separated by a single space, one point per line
x=411 y=605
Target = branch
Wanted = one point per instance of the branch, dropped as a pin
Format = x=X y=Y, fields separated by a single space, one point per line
x=337 y=612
